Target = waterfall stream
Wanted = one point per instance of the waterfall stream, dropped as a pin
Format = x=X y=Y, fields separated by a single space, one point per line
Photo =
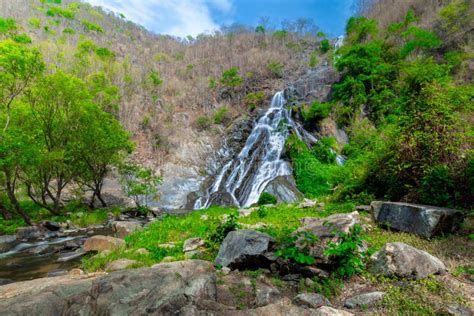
x=259 y=162
x=244 y=178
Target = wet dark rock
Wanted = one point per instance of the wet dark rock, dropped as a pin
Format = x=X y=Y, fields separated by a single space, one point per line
x=41 y=250
x=401 y=260
x=28 y=233
x=71 y=245
x=315 y=85
x=70 y=256
x=222 y=199
x=422 y=220
x=50 y=225
x=5 y=281
x=245 y=249
x=7 y=242
x=284 y=189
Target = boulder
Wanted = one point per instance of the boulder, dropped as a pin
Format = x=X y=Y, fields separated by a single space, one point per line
x=28 y=233
x=101 y=243
x=307 y=203
x=284 y=189
x=120 y=264
x=284 y=307
x=52 y=226
x=459 y=310
x=193 y=244
x=364 y=300
x=326 y=230
x=401 y=260
x=266 y=295
x=123 y=229
x=7 y=242
x=245 y=249
x=422 y=220
x=163 y=289
x=5 y=281
x=311 y=300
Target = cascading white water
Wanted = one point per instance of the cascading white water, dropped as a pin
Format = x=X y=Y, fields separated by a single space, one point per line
x=259 y=162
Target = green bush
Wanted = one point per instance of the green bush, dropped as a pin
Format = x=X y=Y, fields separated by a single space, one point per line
x=438 y=187
x=203 y=122
x=317 y=112
x=275 y=68
x=58 y=11
x=217 y=236
x=295 y=247
x=92 y=26
x=348 y=254
x=324 y=46
x=313 y=60
x=231 y=78
x=266 y=198
x=22 y=39
x=221 y=116
x=35 y=22
x=254 y=99
x=322 y=150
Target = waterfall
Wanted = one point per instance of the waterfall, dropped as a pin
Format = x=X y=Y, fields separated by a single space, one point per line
x=245 y=177
x=259 y=161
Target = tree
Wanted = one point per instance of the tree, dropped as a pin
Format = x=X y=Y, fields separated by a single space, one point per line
x=101 y=142
x=139 y=183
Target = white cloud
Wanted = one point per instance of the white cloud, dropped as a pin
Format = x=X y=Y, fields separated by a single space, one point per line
x=173 y=17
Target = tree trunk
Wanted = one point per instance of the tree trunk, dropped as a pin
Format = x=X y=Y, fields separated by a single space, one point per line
x=5 y=213
x=11 y=195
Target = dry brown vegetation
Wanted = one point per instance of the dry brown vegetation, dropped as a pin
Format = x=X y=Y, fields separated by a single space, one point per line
x=184 y=68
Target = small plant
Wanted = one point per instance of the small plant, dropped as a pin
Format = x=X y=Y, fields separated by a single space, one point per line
x=347 y=253
x=221 y=115
x=92 y=26
x=262 y=212
x=217 y=236
x=317 y=112
x=139 y=183
x=266 y=198
x=254 y=99
x=313 y=60
x=275 y=68
x=231 y=78
x=324 y=46
x=296 y=248
x=203 y=122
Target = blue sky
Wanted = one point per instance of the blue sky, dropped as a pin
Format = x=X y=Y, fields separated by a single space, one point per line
x=192 y=17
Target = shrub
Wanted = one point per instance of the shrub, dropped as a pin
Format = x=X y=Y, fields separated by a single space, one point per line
x=347 y=253
x=231 y=78
x=92 y=26
x=35 y=22
x=139 y=183
x=221 y=116
x=203 y=122
x=217 y=236
x=317 y=112
x=254 y=99
x=295 y=247
x=22 y=39
x=313 y=60
x=438 y=187
x=281 y=34
x=58 y=11
x=322 y=150
x=69 y=30
x=266 y=198
x=275 y=68
x=104 y=53
x=324 y=46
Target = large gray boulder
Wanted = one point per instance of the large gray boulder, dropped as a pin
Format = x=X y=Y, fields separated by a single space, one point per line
x=30 y=232
x=101 y=243
x=401 y=260
x=7 y=242
x=284 y=189
x=245 y=249
x=125 y=228
x=163 y=289
x=422 y=220
x=326 y=230
x=311 y=300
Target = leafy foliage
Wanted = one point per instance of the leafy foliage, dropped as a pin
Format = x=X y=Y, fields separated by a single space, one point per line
x=231 y=78
x=140 y=184
x=266 y=198
x=296 y=248
x=216 y=236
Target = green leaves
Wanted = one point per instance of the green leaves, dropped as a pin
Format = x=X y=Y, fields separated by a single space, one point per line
x=231 y=78
x=139 y=183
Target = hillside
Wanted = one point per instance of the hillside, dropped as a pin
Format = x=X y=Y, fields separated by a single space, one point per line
x=252 y=171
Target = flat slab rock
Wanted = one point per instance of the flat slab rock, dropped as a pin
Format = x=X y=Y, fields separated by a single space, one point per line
x=245 y=249
x=364 y=300
x=422 y=220
x=401 y=260
x=163 y=289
